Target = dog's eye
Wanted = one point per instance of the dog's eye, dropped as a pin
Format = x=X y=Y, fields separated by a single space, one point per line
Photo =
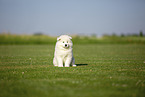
x=63 y=41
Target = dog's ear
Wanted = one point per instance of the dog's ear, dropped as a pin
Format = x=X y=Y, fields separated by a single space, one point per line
x=70 y=37
x=58 y=38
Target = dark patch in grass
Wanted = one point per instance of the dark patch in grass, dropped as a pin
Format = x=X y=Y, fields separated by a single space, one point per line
x=81 y=64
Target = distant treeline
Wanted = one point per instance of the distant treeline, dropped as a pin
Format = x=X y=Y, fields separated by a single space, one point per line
x=7 y=38
x=140 y=34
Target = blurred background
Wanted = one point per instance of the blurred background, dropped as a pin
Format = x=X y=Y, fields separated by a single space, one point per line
x=78 y=18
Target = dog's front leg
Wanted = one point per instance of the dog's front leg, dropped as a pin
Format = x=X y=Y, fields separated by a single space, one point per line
x=68 y=62
x=60 y=62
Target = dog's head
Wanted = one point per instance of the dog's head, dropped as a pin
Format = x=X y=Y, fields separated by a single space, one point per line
x=64 y=41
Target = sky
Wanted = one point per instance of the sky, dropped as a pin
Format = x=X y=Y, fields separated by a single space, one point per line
x=84 y=17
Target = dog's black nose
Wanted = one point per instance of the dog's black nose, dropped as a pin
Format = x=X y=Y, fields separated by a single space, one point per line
x=65 y=44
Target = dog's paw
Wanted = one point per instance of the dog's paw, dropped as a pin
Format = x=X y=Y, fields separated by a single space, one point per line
x=60 y=65
x=55 y=65
x=66 y=65
x=74 y=65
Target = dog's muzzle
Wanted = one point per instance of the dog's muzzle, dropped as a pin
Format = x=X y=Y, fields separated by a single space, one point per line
x=66 y=45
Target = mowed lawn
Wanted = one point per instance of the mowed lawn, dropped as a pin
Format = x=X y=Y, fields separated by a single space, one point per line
x=111 y=70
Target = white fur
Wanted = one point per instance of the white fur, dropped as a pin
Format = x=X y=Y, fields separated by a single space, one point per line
x=63 y=55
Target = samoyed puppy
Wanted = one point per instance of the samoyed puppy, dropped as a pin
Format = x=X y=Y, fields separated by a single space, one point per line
x=63 y=55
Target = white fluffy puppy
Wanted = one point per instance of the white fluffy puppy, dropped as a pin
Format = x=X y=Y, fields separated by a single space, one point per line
x=63 y=55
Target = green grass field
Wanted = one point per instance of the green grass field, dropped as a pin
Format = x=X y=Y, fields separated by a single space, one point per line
x=104 y=70
x=12 y=39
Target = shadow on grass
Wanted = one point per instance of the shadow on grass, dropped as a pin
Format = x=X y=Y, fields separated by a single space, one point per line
x=81 y=64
